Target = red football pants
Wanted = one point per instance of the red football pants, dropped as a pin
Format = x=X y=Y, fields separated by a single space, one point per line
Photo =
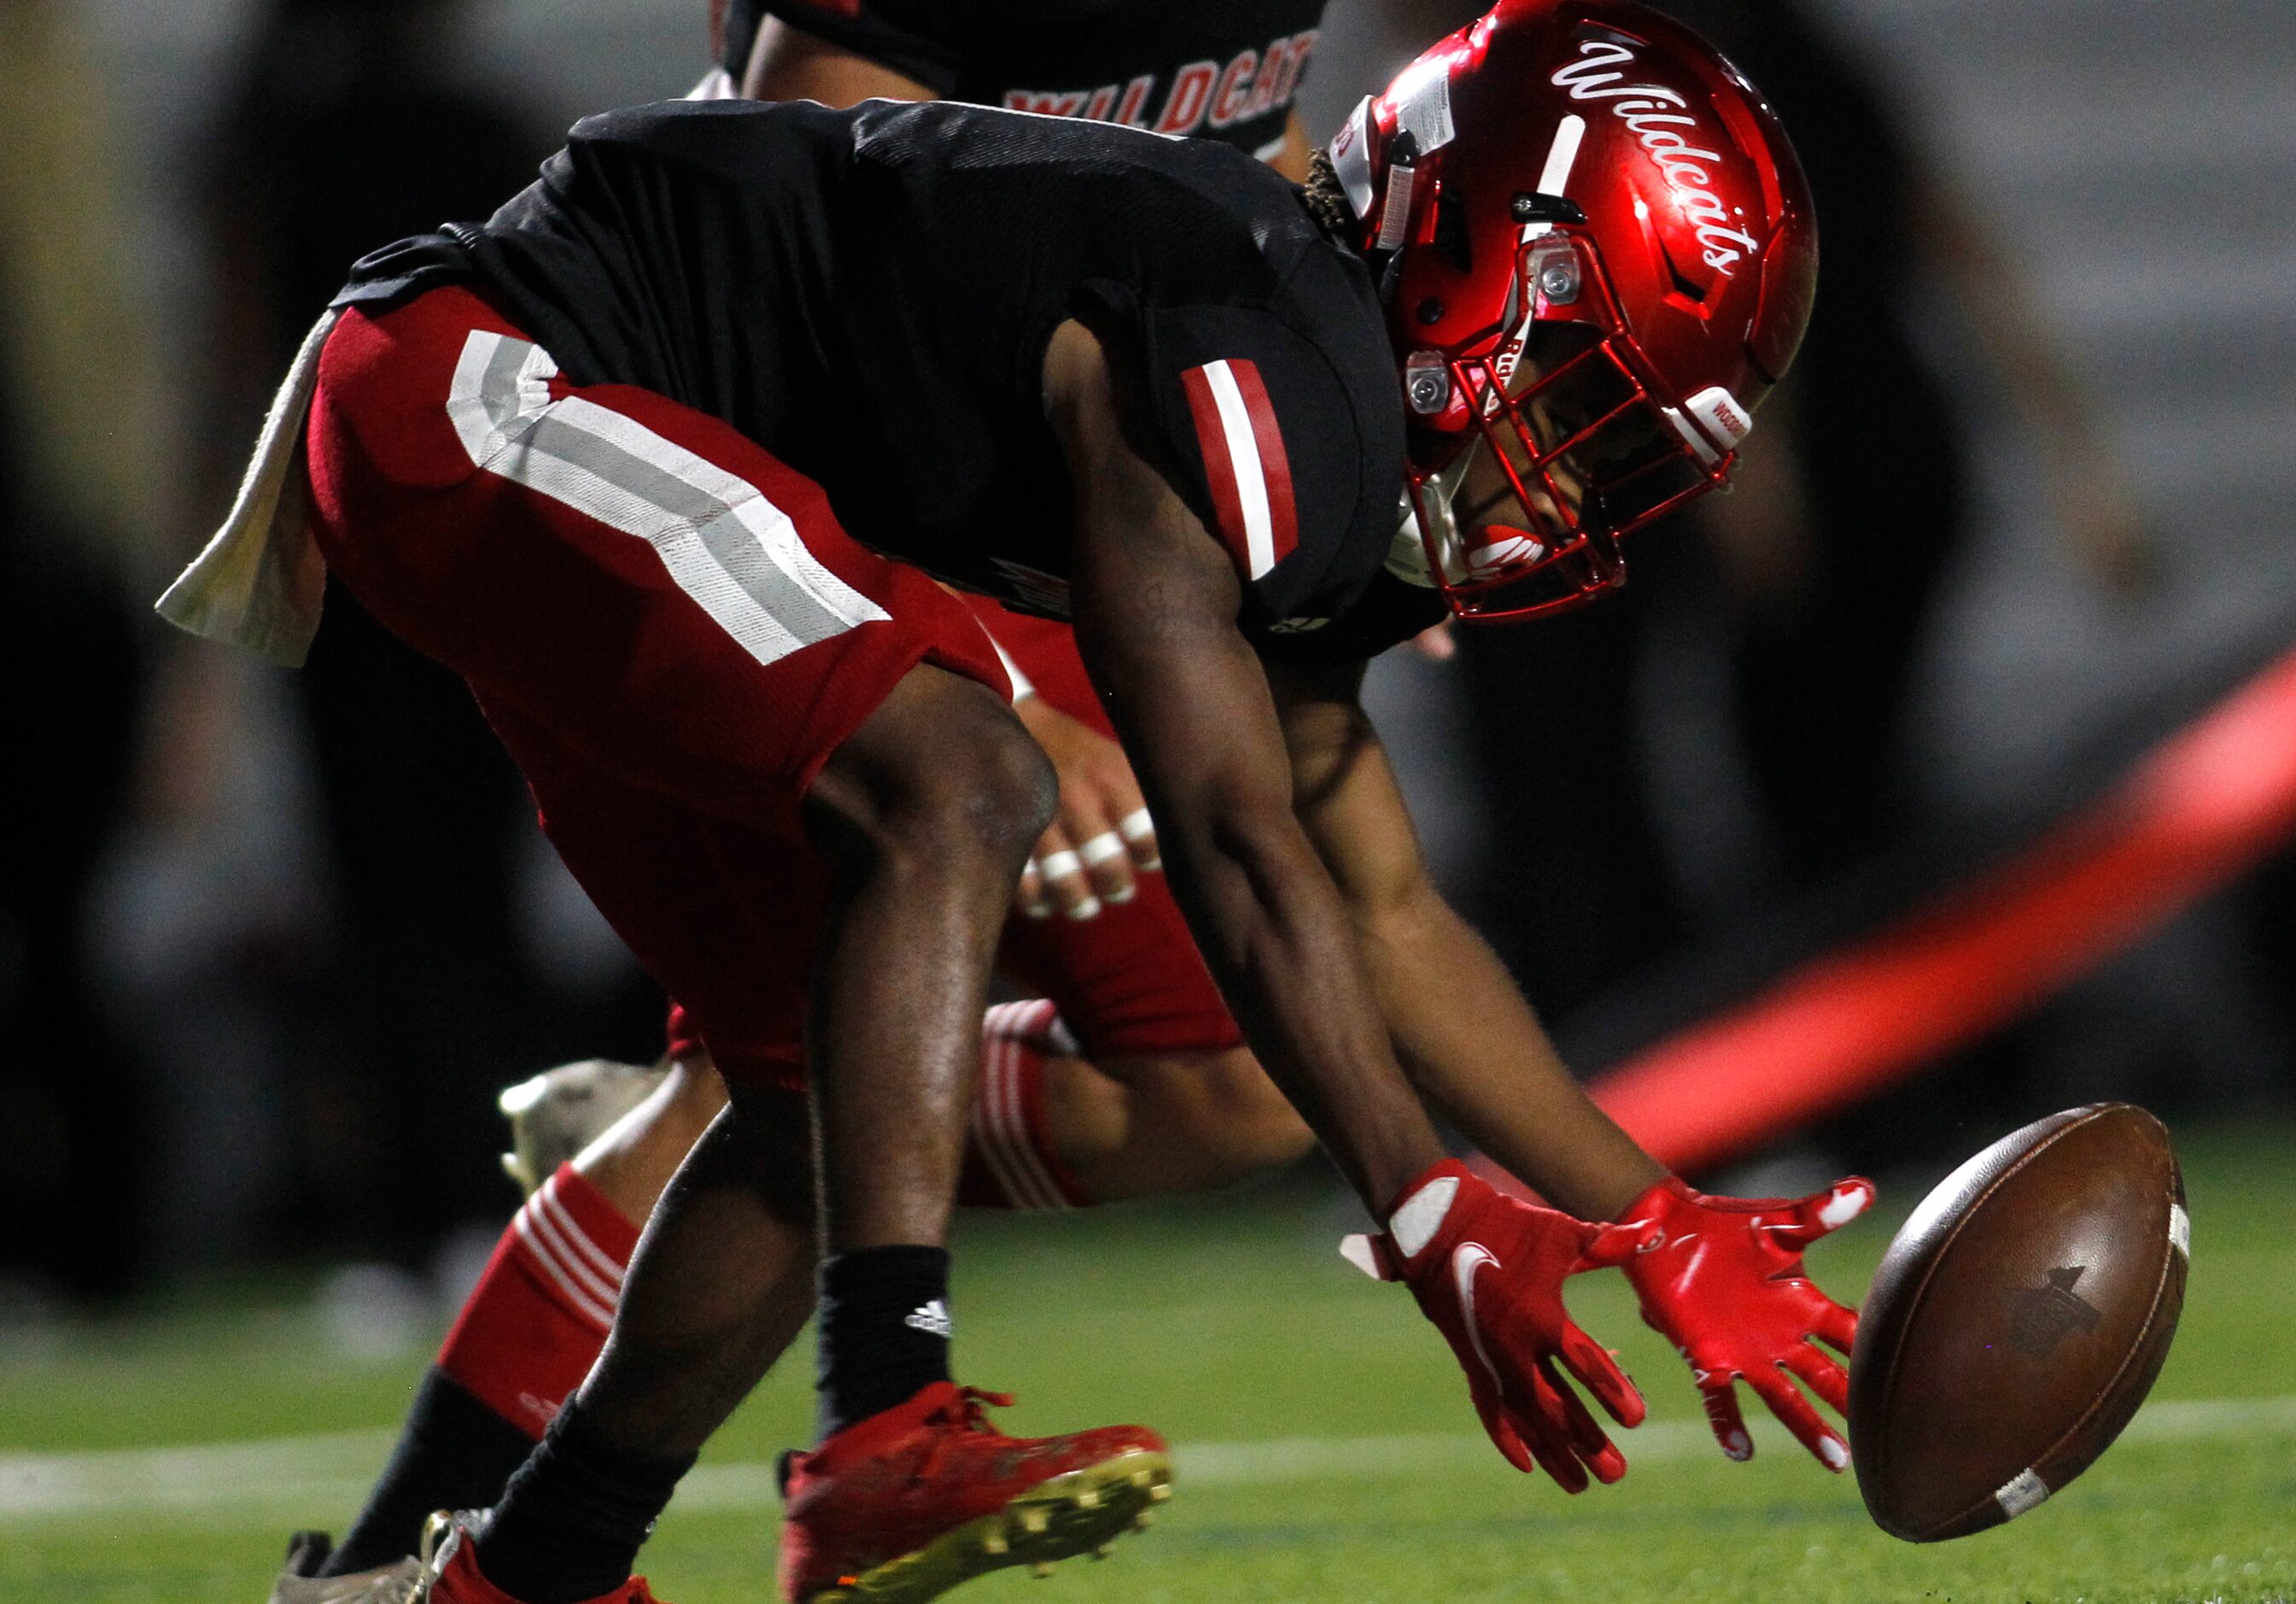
x=665 y=625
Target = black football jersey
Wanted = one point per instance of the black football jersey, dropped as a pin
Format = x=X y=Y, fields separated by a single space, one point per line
x=1225 y=69
x=869 y=294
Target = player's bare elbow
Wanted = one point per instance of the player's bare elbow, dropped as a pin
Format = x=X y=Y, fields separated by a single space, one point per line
x=1402 y=914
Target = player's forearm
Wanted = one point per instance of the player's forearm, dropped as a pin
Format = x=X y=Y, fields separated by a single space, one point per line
x=1462 y=1030
x=1475 y=1049
x=1277 y=936
x=1156 y=601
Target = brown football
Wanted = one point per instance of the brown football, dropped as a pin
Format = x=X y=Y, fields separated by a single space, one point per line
x=2017 y=1321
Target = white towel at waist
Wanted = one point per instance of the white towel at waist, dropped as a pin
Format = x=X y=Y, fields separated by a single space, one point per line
x=260 y=582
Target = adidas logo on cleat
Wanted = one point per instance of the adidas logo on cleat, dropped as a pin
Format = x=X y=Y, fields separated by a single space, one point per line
x=932 y=1317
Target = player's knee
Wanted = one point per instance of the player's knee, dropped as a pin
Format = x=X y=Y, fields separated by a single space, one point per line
x=1006 y=787
x=985 y=799
x=952 y=781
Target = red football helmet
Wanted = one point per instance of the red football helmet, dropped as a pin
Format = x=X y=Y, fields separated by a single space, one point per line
x=1597 y=255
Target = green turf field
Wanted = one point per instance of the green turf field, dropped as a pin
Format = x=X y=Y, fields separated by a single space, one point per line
x=1325 y=1451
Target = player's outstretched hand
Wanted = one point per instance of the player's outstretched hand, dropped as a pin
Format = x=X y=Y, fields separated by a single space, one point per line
x=1722 y=1278
x=1102 y=838
x=1489 y=1270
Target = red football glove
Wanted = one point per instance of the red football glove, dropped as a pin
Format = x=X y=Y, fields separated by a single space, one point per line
x=1722 y=1278
x=1489 y=1270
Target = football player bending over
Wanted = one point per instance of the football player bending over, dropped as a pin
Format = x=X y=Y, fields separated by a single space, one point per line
x=1168 y=1098
x=585 y=455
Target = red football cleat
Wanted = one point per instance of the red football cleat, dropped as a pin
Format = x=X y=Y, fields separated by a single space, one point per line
x=451 y=1573
x=905 y=1505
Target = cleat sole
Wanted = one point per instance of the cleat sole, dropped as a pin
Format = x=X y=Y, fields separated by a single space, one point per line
x=1082 y=1512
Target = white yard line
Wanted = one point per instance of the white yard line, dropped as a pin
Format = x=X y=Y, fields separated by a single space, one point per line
x=208 y=1475
x=325 y=1476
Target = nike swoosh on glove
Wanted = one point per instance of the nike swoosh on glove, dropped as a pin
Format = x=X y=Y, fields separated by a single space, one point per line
x=1489 y=1270
x=1722 y=1278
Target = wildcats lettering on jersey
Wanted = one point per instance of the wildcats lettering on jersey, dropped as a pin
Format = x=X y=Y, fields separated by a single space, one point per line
x=1244 y=463
x=1203 y=94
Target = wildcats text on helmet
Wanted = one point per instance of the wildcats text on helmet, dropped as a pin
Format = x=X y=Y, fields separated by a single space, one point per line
x=1644 y=109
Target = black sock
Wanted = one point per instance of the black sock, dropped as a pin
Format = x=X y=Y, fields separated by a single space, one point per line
x=884 y=1330
x=453 y=1454
x=571 y=1521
